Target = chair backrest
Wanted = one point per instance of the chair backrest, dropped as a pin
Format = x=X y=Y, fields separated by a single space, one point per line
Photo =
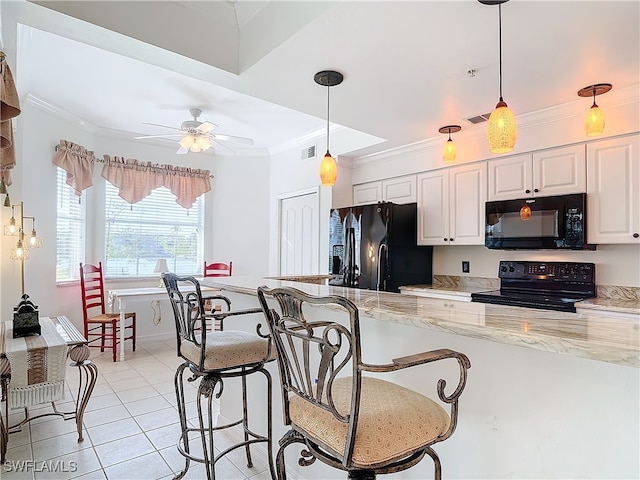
x=312 y=354
x=218 y=269
x=188 y=311
x=92 y=289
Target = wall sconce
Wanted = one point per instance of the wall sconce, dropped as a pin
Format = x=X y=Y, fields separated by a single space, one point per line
x=449 y=152
x=328 y=166
x=23 y=246
x=501 y=129
x=594 y=122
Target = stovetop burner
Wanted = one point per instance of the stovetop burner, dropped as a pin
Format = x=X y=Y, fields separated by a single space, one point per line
x=546 y=285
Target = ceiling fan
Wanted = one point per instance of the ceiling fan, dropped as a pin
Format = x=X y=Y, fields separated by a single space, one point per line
x=197 y=136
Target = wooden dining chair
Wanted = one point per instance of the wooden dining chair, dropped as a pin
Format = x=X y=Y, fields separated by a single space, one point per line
x=218 y=269
x=98 y=324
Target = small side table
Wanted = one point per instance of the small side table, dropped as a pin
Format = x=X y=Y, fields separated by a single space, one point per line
x=78 y=352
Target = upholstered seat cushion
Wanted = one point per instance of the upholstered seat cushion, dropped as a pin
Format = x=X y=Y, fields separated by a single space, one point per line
x=227 y=349
x=393 y=420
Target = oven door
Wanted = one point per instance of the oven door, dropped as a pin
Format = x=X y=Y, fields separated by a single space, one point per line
x=536 y=223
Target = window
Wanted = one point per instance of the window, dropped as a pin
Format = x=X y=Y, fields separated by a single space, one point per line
x=70 y=228
x=137 y=235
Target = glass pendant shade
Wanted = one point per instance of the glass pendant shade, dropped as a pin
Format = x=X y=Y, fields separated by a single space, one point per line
x=449 y=154
x=328 y=170
x=594 y=122
x=187 y=142
x=502 y=129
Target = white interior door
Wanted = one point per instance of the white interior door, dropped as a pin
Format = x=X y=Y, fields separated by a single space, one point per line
x=299 y=234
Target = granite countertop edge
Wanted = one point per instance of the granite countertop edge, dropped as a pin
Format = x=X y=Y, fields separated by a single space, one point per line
x=593 y=335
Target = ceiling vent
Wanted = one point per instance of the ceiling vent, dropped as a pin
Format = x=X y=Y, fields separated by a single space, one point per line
x=479 y=118
x=308 y=152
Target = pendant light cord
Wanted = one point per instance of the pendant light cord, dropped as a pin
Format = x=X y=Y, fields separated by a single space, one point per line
x=500 y=45
x=328 y=88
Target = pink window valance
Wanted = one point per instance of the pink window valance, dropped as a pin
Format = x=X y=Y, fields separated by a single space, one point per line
x=136 y=179
x=78 y=162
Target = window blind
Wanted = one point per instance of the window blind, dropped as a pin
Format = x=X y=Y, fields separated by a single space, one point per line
x=70 y=230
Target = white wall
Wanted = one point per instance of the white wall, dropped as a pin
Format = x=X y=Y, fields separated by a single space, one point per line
x=236 y=212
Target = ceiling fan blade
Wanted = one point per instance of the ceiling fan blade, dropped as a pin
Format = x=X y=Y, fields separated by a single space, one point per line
x=160 y=136
x=182 y=150
x=218 y=144
x=163 y=126
x=206 y=127
x=231 y=138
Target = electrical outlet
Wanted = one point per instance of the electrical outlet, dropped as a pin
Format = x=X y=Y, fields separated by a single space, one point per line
x=465 y=266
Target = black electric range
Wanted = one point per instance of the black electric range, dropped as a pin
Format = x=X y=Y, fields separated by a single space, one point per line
x=547 y=285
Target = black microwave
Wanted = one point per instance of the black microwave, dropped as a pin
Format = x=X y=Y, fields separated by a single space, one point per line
x=557 y=222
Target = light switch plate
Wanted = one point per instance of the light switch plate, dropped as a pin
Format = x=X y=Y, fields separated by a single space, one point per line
x=465 y=266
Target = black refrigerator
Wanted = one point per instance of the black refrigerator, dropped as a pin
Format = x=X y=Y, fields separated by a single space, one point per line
x=375 y=247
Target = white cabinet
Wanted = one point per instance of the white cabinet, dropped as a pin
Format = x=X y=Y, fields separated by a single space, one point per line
x=451 y=205
x=613 y=191
x=396 y=190
x=367 y=193
x=556 y=171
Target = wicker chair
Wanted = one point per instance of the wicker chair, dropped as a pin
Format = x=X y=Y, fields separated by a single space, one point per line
x=214 y=356
x=361 y=424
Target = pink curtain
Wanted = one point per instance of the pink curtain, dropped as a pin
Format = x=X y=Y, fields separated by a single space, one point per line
x=78 y=162
x=136 y=180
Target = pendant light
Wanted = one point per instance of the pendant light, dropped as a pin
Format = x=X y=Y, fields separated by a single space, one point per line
x=449 y=152
x=502 y=129
x=594 y=122
x=328 y=166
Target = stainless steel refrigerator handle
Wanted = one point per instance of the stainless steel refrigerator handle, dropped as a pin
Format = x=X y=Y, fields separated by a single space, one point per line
x=380 y=263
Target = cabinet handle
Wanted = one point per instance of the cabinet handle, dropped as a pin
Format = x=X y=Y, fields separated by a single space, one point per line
x=536 y=190
x=527 y=191
x=636 y=235
x=445 y=239
x=451 y=239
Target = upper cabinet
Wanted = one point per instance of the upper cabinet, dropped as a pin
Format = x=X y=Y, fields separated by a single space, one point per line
x=556 y=171
x=451 y=205
x=396 y=190
x=613 y=191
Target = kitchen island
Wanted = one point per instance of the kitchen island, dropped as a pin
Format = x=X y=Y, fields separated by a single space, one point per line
x=550 y=394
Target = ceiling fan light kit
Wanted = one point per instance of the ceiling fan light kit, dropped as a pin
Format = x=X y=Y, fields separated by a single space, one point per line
x=594 y=121
x=197 y=136
x=328 y=166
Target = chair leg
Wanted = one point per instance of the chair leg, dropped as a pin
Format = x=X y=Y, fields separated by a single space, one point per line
x=436 y=463
x=104 y=333
x=114 y=333
x=245 y=421
x=133 y=328
x=182 y=414
x=206 y=389
x=291 y=437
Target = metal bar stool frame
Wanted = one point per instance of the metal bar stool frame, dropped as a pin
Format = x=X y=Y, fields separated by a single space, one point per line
x=191 y=322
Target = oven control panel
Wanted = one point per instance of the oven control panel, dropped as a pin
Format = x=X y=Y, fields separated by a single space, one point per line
x=547 y=271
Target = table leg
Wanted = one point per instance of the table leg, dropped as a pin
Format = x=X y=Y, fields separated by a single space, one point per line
x=122 y=306
x=4 y=427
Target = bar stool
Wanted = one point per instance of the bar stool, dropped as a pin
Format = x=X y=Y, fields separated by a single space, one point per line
x=358 y=423
x=213 y=357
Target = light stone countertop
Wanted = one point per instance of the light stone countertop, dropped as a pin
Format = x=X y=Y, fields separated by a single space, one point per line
x=593 y=335
x=461 y=290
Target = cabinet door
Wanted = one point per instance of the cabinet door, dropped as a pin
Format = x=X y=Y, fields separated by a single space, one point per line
x=467 y=196
x=613 y=191
x=560 y=171
x=400 y=189
x=510 y=177
x=433 y=208
x=367 y=193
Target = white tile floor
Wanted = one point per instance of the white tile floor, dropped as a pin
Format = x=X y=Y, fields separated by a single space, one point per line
x=131 y=427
